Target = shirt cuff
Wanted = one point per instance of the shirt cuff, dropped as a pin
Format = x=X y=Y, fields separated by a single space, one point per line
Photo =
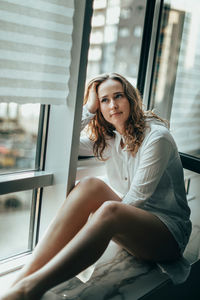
x=86 y=113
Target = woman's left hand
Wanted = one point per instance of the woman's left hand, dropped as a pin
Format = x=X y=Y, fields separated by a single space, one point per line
x=93 y=100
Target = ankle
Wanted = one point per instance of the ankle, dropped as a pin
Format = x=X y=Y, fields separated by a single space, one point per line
x=29 y=289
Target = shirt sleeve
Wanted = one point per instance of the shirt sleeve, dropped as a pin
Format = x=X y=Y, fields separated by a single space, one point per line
x=86 y=117
x=154 y=159
x=86 y=145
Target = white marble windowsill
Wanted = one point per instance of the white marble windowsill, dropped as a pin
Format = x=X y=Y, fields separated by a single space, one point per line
x=116 y=275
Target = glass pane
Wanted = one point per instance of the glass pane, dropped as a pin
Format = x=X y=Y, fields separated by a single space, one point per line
x=18 y=136
x=116 y=37
x=15 y=213
x=192 y=179
x=176 y=89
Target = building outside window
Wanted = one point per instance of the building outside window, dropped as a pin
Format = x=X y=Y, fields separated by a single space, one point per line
x=119 y=37
x=19 y=126
x=18 y=136
x=176 y=91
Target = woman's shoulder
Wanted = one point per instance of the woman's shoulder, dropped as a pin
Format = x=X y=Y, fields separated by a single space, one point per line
x=157 y=129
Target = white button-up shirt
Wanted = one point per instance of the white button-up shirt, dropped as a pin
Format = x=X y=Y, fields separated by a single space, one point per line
x=152 y=179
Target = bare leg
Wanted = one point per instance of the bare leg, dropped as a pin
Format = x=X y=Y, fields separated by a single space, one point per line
x=138 y=231
x=83 y=200
x=83 y=250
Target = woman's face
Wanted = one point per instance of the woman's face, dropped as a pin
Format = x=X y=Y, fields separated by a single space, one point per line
x=114 y=105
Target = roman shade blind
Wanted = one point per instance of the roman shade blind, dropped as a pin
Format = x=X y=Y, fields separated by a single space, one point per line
x=40 y=44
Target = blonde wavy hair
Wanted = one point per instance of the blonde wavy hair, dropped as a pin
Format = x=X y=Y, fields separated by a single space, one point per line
x=99 y=130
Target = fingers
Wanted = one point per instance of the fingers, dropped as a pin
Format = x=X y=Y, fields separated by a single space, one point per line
x=93 y=101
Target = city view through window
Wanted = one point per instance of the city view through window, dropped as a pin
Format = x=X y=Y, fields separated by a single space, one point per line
x=176 y=91
x=115 y=41
x=18 y=136
x=18 y=139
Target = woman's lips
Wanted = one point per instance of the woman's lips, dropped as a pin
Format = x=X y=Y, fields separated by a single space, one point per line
x=116 y=114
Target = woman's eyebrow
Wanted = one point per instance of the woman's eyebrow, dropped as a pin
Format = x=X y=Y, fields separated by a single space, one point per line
x=103 y=96
x=119 y=92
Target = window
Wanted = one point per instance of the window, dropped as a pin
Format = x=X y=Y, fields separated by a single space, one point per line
x=192 y=187
x=15 y=218
x=137 y=31
x=39 y=70
x=110 y=34
x=18 y=136
x=124 y=32
x=98 y=20
x=118 y=42
x=125 y=13
x=19 y=151
x=176 y=92
x=113 y=3
x=95 y=54
x=96 y=37
x=99 y=4
x=112 y=16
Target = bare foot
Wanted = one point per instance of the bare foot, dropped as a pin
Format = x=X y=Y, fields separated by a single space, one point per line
x=13 y=294
x=20 y=291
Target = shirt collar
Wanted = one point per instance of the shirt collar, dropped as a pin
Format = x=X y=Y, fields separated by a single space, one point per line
x=118 y=138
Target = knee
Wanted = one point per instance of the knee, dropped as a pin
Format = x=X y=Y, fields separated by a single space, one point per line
x=108 y=212
x=91 y=184
x=89 y=191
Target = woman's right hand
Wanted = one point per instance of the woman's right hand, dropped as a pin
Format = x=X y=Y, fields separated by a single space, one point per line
x=93 y=100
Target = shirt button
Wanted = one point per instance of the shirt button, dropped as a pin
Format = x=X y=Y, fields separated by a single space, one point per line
x=125 y=178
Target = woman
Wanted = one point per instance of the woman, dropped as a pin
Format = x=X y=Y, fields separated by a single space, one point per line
x=147 y=214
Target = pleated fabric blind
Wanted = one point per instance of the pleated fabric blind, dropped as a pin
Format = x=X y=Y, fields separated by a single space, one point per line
x=36 y=41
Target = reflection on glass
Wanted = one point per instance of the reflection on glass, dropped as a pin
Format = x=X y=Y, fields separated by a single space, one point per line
x=192 y=180
x=176 y=89
x=117 y=30
x=15 y=210
x=18 y=136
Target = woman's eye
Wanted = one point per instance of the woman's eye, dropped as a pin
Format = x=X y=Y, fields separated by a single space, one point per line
x=104 y=100
x=118 y=96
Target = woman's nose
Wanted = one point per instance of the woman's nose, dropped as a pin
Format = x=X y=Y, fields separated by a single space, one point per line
x=113 y=103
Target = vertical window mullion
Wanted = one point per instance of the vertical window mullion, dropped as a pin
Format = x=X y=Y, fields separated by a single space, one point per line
x=149 y=49
x=33 y=217
x=42 y=137
x=146 y=39
x=39 y=165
